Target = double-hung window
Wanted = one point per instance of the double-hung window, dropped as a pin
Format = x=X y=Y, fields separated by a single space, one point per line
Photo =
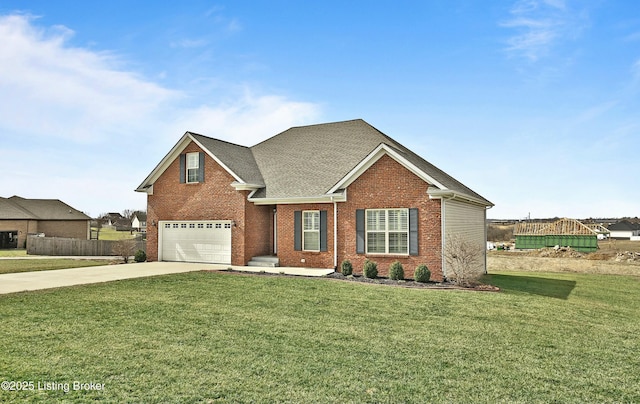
x=193 y=164
x=311 y=230
x=387 y=231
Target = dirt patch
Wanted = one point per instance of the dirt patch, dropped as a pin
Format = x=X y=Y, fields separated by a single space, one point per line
x=532 y=262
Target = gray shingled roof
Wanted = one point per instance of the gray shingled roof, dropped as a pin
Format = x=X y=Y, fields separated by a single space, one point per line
x=38 y=209
x=624 y=225
x=310 y=160
x=238 y=158
x=9 y=210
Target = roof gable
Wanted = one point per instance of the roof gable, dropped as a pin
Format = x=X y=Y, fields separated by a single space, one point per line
x=237 y=160
x=372 y=158
x=312 y=161
x=309 y=160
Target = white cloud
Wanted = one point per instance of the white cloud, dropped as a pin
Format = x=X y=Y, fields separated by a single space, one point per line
x=55 y=90
x=249 y=119
x=76 y=126
x=540 y=25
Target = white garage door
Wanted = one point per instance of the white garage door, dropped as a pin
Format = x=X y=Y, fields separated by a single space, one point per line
x=195 y=241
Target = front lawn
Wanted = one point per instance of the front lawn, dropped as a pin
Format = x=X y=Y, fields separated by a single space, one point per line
x=205 y=337
x=13 y=253
x=9 y=266
x=107 y=233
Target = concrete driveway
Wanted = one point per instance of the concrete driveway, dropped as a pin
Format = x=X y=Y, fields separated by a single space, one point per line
x=23 y=281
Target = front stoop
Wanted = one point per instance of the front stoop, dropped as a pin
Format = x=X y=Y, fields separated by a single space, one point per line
x=264 y=261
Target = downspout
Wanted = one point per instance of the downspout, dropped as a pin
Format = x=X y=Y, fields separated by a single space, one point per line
x=443 y=220
x=485 y=240
x=335 y=234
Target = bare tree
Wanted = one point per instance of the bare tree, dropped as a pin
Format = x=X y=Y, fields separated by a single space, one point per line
x=465 y=260
x=128 y=213
x=124 y=248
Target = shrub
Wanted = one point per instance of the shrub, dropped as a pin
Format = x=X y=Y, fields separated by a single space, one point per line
x=370 y=269
x=124 y=248
x=422 y=274
x=346 y=268
x=140 y=256
x=465 y=260
x=396 y=272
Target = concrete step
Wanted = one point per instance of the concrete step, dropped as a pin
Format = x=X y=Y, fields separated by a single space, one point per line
x=264 y=261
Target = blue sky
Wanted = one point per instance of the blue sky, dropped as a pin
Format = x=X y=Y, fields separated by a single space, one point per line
x=533 y=104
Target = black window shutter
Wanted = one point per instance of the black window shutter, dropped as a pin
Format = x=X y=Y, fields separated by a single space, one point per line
x=183 y=168
x=201 y=168
x=360 y=231
x=323 y=230
x=413 y=231
x=297 y=230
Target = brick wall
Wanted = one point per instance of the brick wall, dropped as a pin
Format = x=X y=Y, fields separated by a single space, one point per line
x=387 y=184
x=258 y=229
x=51 y=228
x=23 y=227
x=213 y=199
x=65 y=228
x=289 y=257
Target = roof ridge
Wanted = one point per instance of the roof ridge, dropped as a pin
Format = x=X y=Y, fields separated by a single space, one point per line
x=310 y=126
x=12 y=201
x=219 y=140
x=331 y=123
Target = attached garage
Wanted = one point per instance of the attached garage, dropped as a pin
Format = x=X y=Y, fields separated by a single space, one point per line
x=195 y=241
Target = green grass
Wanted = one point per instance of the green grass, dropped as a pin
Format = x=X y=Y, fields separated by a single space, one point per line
x=9 y=266
x=208 y=337
x=112 y=234
x=13 y=253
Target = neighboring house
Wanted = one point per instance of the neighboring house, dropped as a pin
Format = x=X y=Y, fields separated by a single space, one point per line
x=139 y=221
x=51 y=217
x=311 y=196
x=624 y=230
x=116 y=221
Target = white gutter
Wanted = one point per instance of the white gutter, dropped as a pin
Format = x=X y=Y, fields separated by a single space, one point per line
x=327 y=198
x=443 y=224
x=243 y=186
x=435 y=193
x=335 y=235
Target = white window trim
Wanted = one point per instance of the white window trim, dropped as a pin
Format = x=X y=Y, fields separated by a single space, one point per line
x=190 y=166
x=304 y=212
x=386 y=231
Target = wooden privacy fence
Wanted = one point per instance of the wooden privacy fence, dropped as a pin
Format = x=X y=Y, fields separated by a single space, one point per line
x=74 y=247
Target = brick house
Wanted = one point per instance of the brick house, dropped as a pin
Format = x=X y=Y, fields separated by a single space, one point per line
x=311 y=196
x=51 y=217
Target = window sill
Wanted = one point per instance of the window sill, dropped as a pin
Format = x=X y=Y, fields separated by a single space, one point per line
x=380 y=255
